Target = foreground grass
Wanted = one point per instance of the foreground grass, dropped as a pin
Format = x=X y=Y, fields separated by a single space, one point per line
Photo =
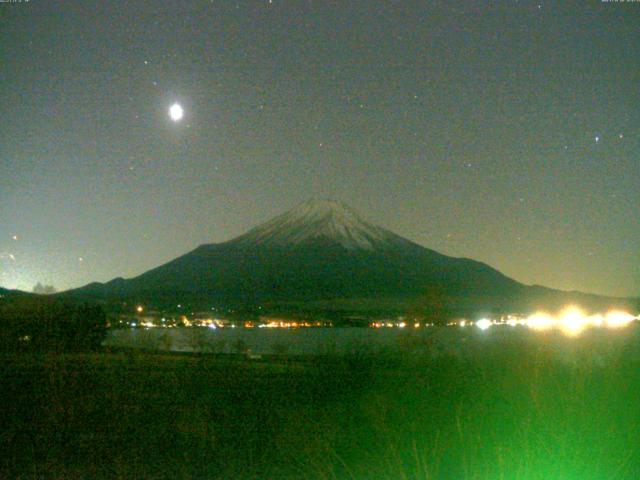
x=508 y=412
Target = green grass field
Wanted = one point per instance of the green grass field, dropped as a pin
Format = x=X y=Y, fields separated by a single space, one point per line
x=510 y=412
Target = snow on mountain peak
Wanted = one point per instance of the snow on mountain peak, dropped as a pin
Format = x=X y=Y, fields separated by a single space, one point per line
x=319 y=220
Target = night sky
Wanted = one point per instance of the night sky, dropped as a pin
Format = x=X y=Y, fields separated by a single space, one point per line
x=508 y=132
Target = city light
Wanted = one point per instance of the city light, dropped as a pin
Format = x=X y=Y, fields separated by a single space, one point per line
x=573 y=321
x=618 y=319
x=483 y=323
x=540 y=321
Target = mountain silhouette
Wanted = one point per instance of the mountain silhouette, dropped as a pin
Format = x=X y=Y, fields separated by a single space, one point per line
x=322 y=256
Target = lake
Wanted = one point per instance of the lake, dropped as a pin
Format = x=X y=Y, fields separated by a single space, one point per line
x=593 y=345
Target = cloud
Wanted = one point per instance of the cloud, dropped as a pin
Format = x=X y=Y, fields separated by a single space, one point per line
x=44 y=289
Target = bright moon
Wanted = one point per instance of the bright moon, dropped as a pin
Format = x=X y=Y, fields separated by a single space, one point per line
x=176 y=112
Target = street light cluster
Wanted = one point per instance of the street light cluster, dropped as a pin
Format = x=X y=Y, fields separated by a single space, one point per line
x=571 y=321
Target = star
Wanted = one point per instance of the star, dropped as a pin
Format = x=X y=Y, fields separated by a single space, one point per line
x=620 y=136
x=597 y=138
x=14 y=237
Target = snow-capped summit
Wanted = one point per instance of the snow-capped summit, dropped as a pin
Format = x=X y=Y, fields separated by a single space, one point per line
x=319 y=220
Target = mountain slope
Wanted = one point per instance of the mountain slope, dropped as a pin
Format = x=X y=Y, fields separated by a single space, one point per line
x=6 y=294
x=315 y=254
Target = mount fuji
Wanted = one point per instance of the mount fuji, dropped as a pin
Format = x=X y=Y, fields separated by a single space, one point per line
x=323 y=257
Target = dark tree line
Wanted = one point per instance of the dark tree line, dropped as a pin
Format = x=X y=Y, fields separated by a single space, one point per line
x=48 y=324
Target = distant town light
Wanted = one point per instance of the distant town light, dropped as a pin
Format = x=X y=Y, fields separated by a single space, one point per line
x=618 y=319
x=540 y=321
x=483 y=323
x=596 y=320
x=573 y=321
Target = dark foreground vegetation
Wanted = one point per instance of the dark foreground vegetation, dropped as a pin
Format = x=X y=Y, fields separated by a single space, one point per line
x=36 y=323
x=511 y=411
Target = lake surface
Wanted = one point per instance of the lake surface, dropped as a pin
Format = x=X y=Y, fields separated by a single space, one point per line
x=593 y=345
